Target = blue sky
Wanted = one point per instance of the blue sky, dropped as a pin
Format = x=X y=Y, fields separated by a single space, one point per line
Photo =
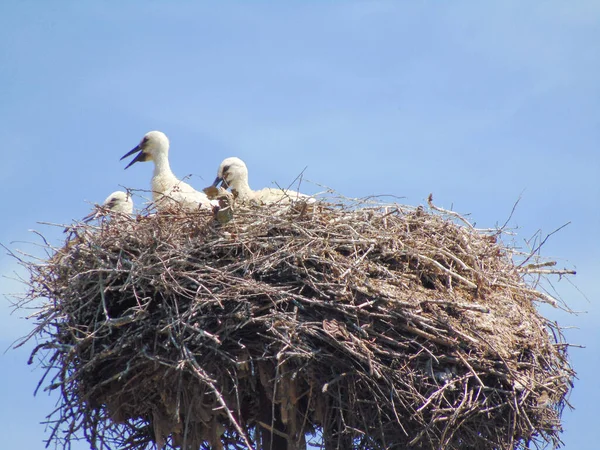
x=479 y=103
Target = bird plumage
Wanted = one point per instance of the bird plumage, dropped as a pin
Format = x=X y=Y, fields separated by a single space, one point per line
x=167 y=189
x=117 y=202
x=233 y=173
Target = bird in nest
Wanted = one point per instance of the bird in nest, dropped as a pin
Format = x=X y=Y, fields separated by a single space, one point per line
x=118 y=202
x=167 y=190
x=233 y=173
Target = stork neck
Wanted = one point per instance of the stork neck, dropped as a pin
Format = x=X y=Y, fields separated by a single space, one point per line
x=161 y=165
x=240 y=182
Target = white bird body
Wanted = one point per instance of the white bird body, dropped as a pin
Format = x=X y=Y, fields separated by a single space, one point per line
x=276 y=195
x=118 y=202
x=167 y=189
x=233 y=173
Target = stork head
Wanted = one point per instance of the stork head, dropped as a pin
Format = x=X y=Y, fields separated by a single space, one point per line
x=231 y=173
x=151 y=145
x=119 y=201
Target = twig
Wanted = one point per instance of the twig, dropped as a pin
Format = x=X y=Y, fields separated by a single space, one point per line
x=448 y=212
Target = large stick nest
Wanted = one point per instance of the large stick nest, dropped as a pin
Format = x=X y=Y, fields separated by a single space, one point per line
x=374 y=327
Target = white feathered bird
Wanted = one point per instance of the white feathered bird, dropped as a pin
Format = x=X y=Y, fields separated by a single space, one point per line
x=167 y=189
x=117 y=202
x=233 y=173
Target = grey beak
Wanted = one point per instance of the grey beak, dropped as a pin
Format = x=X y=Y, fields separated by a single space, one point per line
x=218 y=181
x=90 y=216
x=141 y=156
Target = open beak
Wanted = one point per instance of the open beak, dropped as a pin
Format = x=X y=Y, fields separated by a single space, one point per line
x=141 y=156
x=220 y=181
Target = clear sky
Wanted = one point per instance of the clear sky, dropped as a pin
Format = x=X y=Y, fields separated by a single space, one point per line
x=479 y=103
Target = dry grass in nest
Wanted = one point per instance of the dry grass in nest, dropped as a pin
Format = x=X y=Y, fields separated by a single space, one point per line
x=375 y=327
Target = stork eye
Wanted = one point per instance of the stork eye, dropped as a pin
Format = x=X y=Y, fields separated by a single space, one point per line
x=145 y=140
x=225 y=169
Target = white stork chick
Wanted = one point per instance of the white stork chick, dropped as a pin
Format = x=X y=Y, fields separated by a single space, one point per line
x=118 y=202
x=167 y=189
x=233 y=173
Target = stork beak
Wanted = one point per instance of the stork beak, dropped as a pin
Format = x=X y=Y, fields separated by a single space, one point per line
x=90 y=216
x=220 y=181
x=141 y=156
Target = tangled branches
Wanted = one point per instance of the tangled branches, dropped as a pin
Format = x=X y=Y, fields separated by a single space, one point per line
x=370 y=327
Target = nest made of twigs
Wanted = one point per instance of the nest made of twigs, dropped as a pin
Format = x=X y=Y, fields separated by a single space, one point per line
x=375 y=327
